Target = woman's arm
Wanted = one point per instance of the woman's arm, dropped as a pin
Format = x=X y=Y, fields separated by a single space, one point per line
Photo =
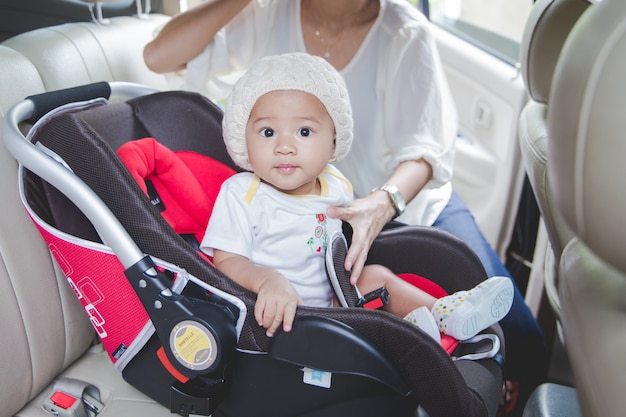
x=368 y=215
x=187 y=34
x=419 y=129
x=277 y=299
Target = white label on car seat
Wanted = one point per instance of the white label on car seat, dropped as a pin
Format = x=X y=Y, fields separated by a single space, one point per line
x=316 y=377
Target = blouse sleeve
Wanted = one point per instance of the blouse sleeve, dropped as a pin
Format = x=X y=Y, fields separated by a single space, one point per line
x=232 y=50
x=422 y=121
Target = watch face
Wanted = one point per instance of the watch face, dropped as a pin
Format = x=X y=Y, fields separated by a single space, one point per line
x=400 y=206
x=396 y=198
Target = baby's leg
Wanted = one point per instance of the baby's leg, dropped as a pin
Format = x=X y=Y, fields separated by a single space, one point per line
x=403 y=297
x=461 y=315
x=405 y=300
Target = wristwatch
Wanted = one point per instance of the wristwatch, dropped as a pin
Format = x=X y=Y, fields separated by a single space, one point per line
x=395 y=197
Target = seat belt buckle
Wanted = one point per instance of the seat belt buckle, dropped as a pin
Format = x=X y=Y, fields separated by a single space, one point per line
x=62 y=404
x=375 y=299
x=92 y=405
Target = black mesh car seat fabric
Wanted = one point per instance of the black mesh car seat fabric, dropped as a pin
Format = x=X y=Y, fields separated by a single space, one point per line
x=88 y=139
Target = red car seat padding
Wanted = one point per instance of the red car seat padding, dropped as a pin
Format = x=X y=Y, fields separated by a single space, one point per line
x=187 y=182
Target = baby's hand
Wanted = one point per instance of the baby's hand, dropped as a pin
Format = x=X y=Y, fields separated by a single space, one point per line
x=276 y=303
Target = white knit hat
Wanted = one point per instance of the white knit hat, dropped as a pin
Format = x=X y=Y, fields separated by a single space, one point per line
x=294 y=71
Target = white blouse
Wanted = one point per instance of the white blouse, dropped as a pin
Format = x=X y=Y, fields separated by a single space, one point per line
x=401 y=103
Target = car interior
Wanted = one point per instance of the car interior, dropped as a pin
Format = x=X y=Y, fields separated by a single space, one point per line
x=571 y=63
x=547 y=29
x=585 y=126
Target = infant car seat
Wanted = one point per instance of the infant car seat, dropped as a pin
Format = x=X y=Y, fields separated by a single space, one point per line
x=181 y=331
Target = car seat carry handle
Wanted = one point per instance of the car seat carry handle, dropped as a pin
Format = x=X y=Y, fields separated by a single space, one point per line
x=325 y=344
x=28 y=155
x=45 y=102
x=107 y=225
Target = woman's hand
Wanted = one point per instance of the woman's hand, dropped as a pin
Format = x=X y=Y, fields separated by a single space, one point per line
x=367 y=216
x=276 y=304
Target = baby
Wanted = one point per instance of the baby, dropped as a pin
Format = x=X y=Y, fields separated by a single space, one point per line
x=286 y=120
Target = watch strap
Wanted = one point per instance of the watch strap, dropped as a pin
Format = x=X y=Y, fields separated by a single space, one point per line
x=394 y=195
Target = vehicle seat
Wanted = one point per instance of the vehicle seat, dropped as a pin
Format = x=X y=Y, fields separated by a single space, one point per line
x=547 y=27
x=586 y=125
x=80 y=53
x=46 y=335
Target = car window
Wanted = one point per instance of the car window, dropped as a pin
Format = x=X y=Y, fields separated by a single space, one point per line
x=495 y=26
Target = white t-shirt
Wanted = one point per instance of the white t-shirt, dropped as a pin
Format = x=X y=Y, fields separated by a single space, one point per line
x=278 y=230
x=401 y=102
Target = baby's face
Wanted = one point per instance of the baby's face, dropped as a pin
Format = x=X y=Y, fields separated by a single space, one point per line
x=290 y=139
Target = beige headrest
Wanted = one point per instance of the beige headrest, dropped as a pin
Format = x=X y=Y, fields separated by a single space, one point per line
x=587 y=127
x=547 y=27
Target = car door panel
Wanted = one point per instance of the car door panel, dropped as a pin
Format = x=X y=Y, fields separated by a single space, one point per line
x=489 y=95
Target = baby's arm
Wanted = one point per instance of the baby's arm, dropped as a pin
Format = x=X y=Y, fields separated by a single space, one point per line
x=276 y=300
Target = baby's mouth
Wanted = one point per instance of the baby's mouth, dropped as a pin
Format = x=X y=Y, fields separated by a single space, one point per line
x=286 y=168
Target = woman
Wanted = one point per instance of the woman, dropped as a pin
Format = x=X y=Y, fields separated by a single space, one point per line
x=404 y=118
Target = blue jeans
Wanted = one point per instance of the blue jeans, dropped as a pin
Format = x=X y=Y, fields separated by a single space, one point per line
x=526 y=352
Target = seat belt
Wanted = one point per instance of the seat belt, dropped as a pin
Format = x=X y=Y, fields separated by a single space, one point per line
x=73 y=398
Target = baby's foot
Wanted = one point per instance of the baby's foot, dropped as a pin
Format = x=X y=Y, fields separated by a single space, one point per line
x=464 y=314
x=423 y=319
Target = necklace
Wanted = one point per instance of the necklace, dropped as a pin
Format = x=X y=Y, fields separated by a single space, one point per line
x=327 y=46
x=362 y=16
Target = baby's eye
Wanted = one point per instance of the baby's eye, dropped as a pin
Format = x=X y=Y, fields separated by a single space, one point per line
x=267 y=132
x=305 y=131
